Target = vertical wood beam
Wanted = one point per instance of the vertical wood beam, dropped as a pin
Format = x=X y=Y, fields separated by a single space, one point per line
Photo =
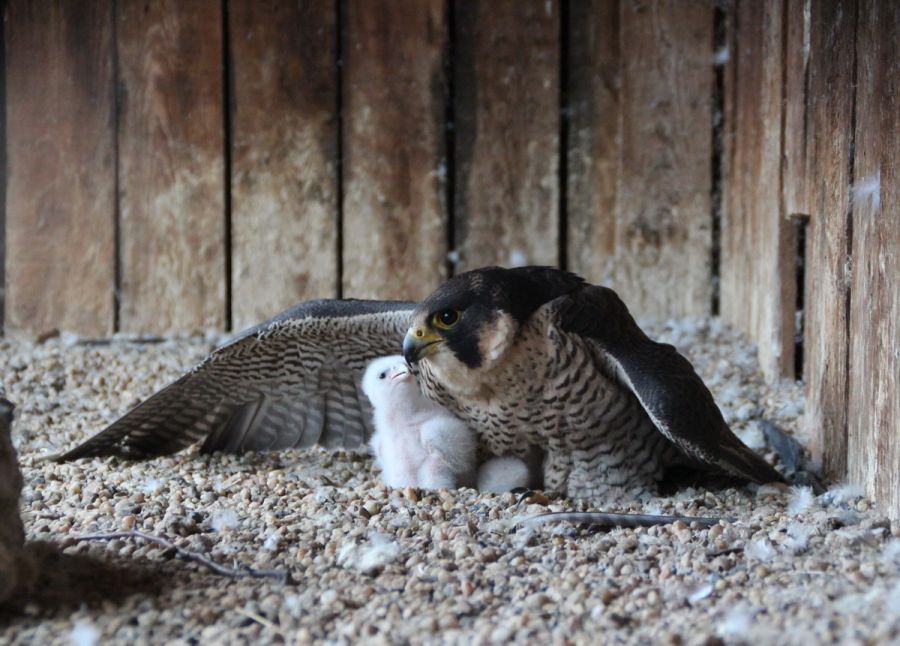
x=60 y=202
x=507 y=132
x=394 y=94
x=171 y=166
x=795 y=193
x=284 y=142
x=593 y=150
x=663 y=202
x=760 y=293
x=829 y=163
x=873 y=424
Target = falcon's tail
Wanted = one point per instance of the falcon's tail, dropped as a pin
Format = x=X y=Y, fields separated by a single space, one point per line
x=746 y=463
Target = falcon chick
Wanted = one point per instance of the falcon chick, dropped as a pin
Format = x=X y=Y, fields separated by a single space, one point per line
x=416 y=442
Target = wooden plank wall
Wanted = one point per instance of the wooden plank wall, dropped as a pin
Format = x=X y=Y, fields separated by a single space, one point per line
x=506 y=118
x=284 y=154
x=758 y=245
x=832 y=64
x=812 y=137
x=639 y=196
x=61 y=188
x=171 y=170
x=663 y=199
x=873 y=426
x=242 y=156
x=394 y=101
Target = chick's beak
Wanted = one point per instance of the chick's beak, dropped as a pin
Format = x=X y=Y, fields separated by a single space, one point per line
x=418 y=343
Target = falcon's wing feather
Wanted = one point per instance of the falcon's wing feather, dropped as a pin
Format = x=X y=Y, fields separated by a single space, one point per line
x=664 y=382
x=292 y=381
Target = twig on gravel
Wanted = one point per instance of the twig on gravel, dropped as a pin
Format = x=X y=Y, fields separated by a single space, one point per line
x=606 y=519
x=235 y=573
x=262 y=621
x=725 y=551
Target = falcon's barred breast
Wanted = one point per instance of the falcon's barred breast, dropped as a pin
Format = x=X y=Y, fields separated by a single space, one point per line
x=534 y=359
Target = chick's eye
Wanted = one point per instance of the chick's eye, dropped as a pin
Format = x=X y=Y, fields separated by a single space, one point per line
x=382 y=375
x=446 y=319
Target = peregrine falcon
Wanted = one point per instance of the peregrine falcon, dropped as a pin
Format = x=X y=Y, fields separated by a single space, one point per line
x=533 y=359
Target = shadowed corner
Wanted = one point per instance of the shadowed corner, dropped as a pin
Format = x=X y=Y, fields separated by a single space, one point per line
x=54 y=580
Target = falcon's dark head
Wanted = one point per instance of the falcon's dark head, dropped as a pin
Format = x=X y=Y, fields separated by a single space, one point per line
x=470 y=322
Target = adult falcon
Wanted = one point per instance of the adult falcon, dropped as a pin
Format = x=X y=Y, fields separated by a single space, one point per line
x=534 y=359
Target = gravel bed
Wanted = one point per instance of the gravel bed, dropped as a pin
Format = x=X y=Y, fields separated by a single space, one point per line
x=368 y=563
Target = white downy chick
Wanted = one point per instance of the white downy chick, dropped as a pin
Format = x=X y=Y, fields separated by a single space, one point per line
x=503 y=474
x=417 y=443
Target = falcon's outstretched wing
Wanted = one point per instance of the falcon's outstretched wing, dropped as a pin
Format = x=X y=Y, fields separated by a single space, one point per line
x=292 y=381
x=669 y=390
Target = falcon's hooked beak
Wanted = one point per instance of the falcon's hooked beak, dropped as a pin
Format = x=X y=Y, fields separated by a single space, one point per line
x=418 y=343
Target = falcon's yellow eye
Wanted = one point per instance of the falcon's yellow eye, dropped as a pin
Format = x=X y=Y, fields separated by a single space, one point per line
x=446 y=319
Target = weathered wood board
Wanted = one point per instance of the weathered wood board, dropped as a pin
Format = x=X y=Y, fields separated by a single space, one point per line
x=506 y=126
x=592 y=89
x=171 y=166
x=663 y=202
x=759 y=288
x=738 y=237
x=394 y=166
x=284 y=142
x=732 y=263
x=796 y=66
x=60 y=206
x=831 y=73
x=874 y=403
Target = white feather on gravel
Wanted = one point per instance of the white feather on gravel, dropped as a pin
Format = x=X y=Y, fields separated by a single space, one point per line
x=737 y=623
x=84 y=633
x=700 y=592
x=760 y=550
x=294 y=605
x=370 y=556
x=842 y=494
x=752 y=434
x=892 y=603
x=798 y=536
x=800 y=500
x=223 y=520
x=152 y=486
x=891 y=551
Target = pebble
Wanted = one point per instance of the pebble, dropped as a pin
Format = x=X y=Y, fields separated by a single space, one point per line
x=447 y=566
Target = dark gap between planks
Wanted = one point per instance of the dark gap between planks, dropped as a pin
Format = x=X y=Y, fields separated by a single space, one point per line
x=801 y=222
x=117 y=203
x=339 y=162
x=848 y=251
x=563 y=146
x=227 y=139
x=718 y=157
x=450 y=141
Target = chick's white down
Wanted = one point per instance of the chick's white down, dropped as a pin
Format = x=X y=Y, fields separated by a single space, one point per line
x=416 y=442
